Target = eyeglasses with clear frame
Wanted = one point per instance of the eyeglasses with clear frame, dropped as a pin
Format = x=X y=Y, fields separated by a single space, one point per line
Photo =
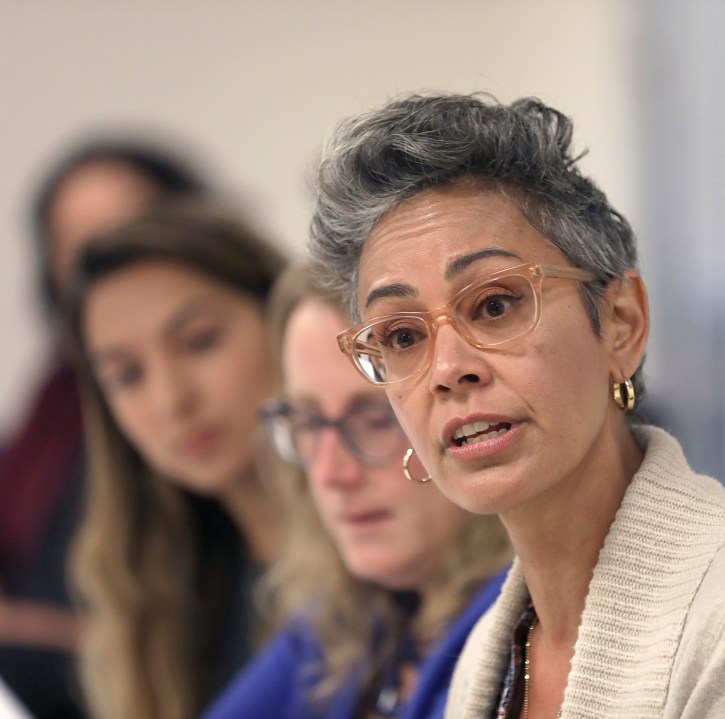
x=487 y=313
x=369 y=431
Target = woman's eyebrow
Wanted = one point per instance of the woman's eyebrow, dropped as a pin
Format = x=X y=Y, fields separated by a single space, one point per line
x=186 y=313
x=456 y=266
x=396 y=289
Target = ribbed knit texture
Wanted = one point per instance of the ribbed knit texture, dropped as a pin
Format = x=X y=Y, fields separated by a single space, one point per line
x=659 y=549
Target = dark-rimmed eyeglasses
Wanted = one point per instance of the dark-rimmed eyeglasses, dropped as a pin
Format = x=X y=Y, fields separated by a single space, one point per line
x=369 y=430
x=488 y=313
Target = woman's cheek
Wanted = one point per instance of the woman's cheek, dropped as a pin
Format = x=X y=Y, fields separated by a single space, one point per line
x=410 y=420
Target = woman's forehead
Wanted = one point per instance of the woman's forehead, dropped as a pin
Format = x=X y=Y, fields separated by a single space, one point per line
x=456 y=205
x=437 y=231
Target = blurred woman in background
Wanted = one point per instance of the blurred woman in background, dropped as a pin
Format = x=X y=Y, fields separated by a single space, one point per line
x=381 y=578
x=89 y=190
x=167 y=314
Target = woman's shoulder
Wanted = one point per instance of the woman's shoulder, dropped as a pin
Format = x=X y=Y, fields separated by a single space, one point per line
x=706 y=617
x=666 y=473
x=697 y=689
x=275 y=682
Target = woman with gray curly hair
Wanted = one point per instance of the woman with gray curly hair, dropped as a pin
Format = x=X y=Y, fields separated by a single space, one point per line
x=501 y=307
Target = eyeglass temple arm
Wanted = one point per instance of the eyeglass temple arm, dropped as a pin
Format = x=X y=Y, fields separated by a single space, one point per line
x=345 y=344
x=565 y=273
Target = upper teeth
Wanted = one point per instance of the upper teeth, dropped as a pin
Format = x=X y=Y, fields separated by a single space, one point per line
x=469 y=431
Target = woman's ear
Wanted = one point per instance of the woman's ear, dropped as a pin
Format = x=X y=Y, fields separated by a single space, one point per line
x=627 y=324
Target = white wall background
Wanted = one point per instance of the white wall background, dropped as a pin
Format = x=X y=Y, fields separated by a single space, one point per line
x=684 y=150
x=251 y=88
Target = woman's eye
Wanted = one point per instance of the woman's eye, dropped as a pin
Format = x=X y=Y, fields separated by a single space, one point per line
x=306 y=423
x=122 y=378
x=382 y=421
x=202 y=341
x=399 y=338
x=494 y=306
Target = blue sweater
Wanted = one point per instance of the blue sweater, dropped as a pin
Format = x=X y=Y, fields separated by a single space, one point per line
x=276 y=683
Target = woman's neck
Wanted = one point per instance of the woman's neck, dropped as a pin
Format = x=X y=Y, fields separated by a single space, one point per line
x=558 y=538
x=253 y=511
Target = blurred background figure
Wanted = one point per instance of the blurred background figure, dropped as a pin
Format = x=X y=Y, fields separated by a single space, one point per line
x=167 y=312
x=89 y=190
x=381 y=578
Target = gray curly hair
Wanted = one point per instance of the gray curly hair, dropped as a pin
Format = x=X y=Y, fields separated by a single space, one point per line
x=375 y=161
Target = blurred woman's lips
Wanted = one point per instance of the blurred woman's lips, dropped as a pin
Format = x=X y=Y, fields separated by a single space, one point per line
x=199 y=442
x=365 y=519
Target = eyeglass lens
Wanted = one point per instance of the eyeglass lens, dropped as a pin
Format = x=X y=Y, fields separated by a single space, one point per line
x=370 y=432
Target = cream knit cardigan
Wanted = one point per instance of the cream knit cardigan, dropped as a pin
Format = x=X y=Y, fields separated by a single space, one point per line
x=652 y=637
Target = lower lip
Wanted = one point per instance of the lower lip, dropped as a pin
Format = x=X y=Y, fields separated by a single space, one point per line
x=486 y=448
x=201 y=443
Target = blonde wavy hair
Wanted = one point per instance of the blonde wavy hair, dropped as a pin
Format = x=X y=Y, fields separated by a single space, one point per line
x=310 y=576
x=155 y=566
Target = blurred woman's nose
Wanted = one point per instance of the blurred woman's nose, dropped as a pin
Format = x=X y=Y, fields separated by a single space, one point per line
x=333 y=464
x=455 y=364
x=172 y=391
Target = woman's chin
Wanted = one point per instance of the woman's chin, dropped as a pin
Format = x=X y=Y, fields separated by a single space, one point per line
x=486 y=492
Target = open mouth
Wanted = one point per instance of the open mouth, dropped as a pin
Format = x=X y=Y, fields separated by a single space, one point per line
x=478 y=432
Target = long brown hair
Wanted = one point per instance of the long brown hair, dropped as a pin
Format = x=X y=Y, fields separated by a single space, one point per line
x=155 y=566
x=311 y=577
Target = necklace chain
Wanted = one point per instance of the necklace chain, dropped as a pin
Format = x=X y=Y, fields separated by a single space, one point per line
x=527 y=670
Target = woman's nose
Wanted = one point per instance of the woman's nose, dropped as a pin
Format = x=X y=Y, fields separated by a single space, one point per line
x=173 y=391
x=455 y=363
x=333 y=464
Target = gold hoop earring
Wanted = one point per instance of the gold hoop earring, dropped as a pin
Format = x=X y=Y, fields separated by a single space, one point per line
x=624 y=399
x=406 y=471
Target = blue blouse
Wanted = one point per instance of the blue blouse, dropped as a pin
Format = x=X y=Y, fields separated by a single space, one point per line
x=275 y=685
